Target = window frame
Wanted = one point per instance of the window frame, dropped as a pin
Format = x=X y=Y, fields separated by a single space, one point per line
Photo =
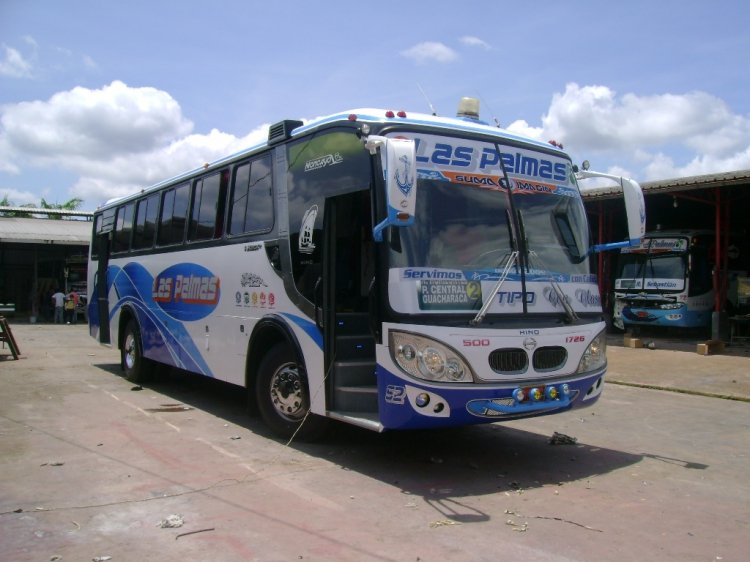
x=231 y=197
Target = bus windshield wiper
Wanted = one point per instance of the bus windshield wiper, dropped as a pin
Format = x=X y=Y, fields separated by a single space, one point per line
x=509 y=263
x=570 y=314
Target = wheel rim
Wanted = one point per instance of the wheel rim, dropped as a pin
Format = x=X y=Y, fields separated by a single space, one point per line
x=288 y=394
x=129 y=348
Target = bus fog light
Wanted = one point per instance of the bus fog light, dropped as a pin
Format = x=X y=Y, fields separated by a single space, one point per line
x=536 y=394
x=565 y=389
x=422 y=399
x=519 y=395
x=552 y=393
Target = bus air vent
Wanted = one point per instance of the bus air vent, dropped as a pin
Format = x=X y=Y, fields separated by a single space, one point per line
x=549 y=358
x=509 y=361
x=282 y=131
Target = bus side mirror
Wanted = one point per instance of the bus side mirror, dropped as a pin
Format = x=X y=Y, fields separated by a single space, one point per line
x=635 y=208
x=399 y=164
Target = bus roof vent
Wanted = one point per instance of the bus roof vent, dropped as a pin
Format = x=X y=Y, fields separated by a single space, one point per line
x=282 y=131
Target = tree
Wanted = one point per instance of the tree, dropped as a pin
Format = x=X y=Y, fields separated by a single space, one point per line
x=70 y=205
x=5 y=202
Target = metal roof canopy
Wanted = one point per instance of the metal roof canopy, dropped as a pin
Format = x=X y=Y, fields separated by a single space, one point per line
x=45 y=231
x=727 y=179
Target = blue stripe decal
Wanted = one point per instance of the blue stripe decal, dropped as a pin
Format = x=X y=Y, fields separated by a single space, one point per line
x=309 y=327
x=167 y=340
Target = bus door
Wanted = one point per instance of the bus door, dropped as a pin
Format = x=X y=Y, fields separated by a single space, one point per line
x=348 y=270
x=98 y=294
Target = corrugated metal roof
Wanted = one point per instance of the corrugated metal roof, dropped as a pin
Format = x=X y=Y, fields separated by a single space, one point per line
x=45 y=231
x=688 y=183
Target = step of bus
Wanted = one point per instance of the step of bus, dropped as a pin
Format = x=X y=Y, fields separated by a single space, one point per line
x=356 y=399
x=367 y=420
x=354 y=373
x=355 y=386
x=355 y=347
x=352 y=323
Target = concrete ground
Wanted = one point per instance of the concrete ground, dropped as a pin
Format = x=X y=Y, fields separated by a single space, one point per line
x=92 y=466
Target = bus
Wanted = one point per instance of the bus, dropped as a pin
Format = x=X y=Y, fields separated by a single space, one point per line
x=667 y=280
x=384 y=269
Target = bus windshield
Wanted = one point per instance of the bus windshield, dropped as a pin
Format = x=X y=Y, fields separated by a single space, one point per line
x=656 y=272
x=469 y=228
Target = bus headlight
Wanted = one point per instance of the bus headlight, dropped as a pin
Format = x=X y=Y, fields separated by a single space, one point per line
x=427 y=359
x=595 y=356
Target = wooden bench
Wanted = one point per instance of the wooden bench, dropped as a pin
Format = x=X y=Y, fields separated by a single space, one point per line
x=7 y=336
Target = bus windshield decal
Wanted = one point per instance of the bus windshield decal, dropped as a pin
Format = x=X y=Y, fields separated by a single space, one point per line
x=479 y=163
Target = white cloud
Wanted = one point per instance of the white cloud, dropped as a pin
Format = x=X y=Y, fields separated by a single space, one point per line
x=89 y=62
x=648 y=129
x=103 y=179
x=475 y=42
x=430 y=51
x=17 y=197
x=521 y=127
x=116 y=139
x=13 y=64
x=93 y=124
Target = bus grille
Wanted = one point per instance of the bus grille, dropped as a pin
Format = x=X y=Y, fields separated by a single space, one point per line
x=549 y=358
x=509 y=361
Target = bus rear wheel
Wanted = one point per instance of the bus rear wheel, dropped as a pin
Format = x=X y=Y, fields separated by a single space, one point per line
x=135 y=366
x=283 y=396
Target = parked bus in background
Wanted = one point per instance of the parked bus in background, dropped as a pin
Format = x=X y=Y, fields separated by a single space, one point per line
x=667 y=280
x=388 y=270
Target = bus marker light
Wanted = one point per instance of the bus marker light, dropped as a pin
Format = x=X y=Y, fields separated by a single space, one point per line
x=536 y=394
x=352 y=117
x=401 y=113
x=519 y=395
x=390 y=114
x=565 y=389
x=552 y=393
x=422 y=399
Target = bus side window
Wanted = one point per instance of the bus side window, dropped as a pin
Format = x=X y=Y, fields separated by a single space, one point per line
x=173 y=216
x=206 y=206
x=252 y=197
x=123 y=228
x=145 y=222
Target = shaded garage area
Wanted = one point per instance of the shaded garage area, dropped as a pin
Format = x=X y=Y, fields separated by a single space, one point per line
x=718 y=203
x=39 y=256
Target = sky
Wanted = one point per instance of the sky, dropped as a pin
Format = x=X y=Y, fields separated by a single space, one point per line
x=99 y=99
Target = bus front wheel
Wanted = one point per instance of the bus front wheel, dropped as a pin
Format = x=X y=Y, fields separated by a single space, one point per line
x=134 y=365
x=283 y=396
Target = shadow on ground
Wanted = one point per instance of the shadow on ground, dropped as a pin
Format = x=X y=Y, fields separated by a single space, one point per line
x=440 y=466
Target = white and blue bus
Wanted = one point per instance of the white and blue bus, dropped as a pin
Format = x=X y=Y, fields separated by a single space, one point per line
x=667 y=280
x=385 y=269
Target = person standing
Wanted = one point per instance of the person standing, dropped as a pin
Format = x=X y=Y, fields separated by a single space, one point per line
x=58 y=298
x=72 y=309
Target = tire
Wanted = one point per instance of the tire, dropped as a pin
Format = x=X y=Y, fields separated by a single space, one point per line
x=283 y=397
x=137 y=369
